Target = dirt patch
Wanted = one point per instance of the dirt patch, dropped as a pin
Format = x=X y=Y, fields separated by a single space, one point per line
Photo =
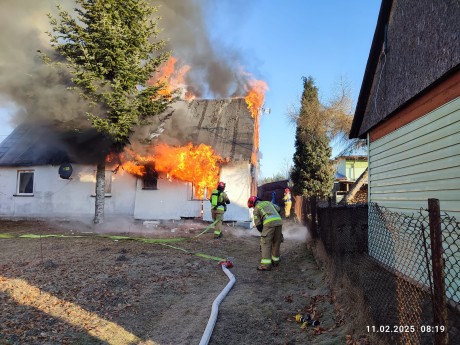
x=86 y=287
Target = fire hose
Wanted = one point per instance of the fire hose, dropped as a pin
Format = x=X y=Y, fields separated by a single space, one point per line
x=215 y=305
x=225 y=264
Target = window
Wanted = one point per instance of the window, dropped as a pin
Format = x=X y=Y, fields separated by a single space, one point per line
x=107 y=184
x=195 y=193
x=150 y=179
x=25 y=183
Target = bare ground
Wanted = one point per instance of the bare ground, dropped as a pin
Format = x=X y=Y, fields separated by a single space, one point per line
x=94 y=289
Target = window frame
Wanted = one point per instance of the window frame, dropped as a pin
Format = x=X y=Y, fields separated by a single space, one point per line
x=20 y=173
x=108 y=183
x=194 y=198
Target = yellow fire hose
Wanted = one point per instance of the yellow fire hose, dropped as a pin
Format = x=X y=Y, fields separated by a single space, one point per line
x=159 y=241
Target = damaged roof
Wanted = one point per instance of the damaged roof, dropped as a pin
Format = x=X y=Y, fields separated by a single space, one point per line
x=226 y=125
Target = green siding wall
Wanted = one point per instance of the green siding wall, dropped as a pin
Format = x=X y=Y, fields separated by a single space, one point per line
x=419 y=161
x=407 y=167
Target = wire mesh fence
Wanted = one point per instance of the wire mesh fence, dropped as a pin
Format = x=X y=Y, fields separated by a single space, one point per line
x=451 y=247
x=389 y=257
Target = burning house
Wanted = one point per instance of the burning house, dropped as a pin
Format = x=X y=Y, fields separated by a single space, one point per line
x=170 y=167
x=46 y=172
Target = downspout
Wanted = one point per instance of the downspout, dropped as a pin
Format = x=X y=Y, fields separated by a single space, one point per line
x=215 y=305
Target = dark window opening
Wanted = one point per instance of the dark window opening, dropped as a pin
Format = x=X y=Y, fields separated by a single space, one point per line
x=150 y=179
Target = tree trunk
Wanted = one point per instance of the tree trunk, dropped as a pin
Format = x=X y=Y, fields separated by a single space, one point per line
x=100 y=194
x=355 y=188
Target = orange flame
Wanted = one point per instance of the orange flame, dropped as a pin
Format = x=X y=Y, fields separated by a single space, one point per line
x=256 y=96
x=199 y=165
x=196 y=164
x=174 y=78
x=255 y=99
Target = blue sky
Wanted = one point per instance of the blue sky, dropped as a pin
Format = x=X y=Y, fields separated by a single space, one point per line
x=279 y=42
x=325 y=39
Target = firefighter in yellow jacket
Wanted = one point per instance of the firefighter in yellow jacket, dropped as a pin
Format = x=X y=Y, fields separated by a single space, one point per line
x=268 y=221
x=219 y=201
x=287 y=199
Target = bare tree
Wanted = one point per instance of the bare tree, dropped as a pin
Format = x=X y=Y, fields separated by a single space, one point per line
x=333 y=119
x=285 y=168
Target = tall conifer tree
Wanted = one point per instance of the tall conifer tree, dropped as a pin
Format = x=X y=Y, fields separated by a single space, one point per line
x=111 y=50
x=312 y=174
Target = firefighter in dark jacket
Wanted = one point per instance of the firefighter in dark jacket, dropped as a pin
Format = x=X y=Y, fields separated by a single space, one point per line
x=219 y=201
x=268 y=221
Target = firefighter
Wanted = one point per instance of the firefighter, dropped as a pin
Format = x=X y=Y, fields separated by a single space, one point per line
x=219 y=201
x=287 y=203
x=268 y=221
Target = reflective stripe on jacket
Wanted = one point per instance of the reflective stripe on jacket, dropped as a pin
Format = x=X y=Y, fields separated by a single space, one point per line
x=287 y=197
x=267 y=213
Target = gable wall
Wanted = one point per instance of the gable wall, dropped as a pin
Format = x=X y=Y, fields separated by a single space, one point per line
x=237 y=177
x=354 y=169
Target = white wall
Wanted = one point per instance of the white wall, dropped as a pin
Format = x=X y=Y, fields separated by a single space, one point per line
x=172 y=200
x=237 y=178
x=56 y=197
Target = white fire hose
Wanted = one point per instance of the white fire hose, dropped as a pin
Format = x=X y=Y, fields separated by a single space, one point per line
x=215 y=305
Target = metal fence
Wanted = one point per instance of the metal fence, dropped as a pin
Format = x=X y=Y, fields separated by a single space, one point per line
x=406 y=265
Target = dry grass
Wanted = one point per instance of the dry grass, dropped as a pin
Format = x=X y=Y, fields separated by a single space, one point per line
x=85 y=290
x=350 y=307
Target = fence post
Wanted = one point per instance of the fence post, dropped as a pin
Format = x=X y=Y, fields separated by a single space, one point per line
x=331 y=230
x=439 y=288
x=313 y=206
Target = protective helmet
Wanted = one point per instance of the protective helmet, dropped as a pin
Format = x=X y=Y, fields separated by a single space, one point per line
x=252 y=201
x=286 y=190
x=221 y=186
